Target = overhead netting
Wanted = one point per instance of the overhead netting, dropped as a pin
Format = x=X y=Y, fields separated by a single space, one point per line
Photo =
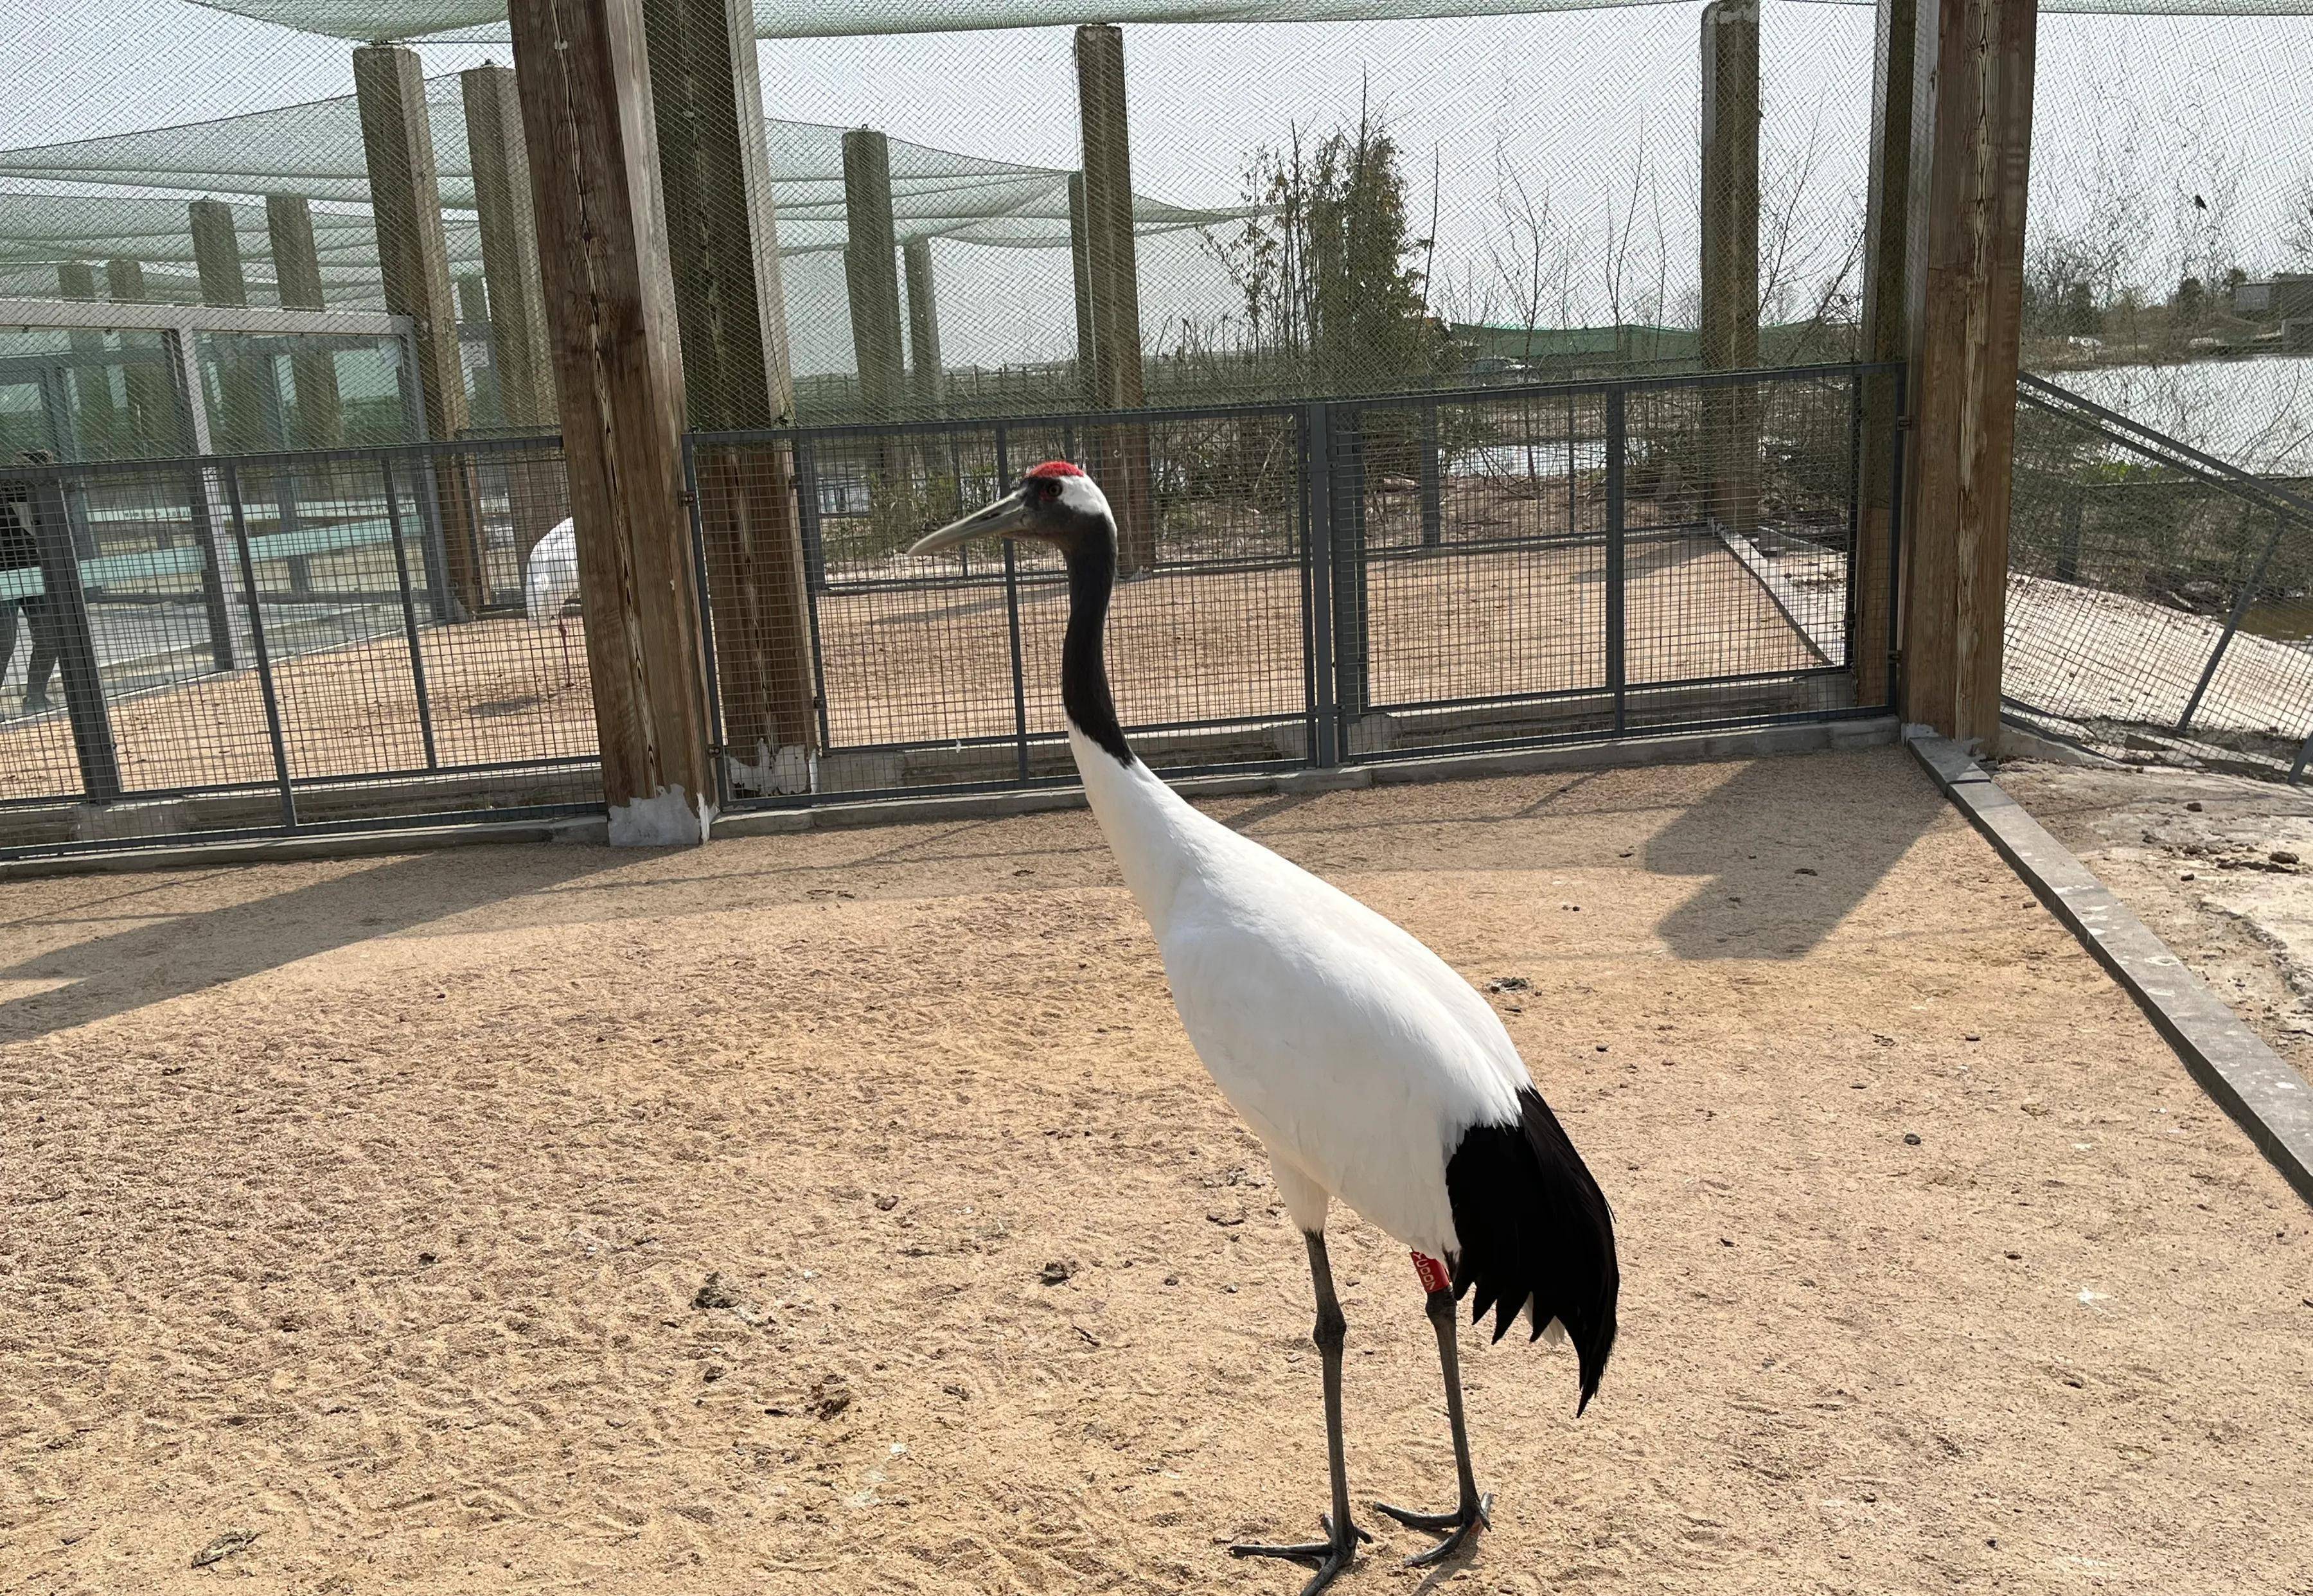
x=822 y=19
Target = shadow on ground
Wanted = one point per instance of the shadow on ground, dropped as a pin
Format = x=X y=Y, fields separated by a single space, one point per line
x=1772 y=888
x=171 y=955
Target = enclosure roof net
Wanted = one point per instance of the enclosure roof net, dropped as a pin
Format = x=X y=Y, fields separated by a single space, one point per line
x=51 y=228
x=810 y=18
x=315 y=150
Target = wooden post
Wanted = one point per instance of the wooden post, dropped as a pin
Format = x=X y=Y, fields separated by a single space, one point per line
x=871 y=271
x=923 y=325
x=297 y=272
x=1886 y=338
x=95 y=420
x=1080 y=268
x=1112 y=276
x=508 y=223
x=151 y=416
x=414 y=259
x=1970 y=166
x=1730 y=259
x=216 y=258
x=730 y=302
x=585 y=93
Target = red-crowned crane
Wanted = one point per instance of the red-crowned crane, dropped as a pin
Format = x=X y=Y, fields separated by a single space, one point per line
x=1369 y=1070
x=551 y=582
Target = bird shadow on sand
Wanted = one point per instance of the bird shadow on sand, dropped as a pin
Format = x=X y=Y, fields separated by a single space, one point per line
x=1788 y=848
x=171 y=955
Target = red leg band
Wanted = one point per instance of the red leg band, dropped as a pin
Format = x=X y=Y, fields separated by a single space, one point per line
x=1432 y=1272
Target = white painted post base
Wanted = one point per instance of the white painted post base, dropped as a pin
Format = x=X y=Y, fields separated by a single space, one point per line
x=791 y=769
x=669 y=819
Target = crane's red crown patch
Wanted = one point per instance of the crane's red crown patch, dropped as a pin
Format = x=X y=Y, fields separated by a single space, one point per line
x=1054 y=468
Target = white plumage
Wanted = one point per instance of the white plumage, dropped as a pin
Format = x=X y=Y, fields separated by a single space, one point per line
x=551 y=582
x=1369 y=1070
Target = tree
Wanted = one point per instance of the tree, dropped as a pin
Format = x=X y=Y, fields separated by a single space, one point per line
x=1329 y=270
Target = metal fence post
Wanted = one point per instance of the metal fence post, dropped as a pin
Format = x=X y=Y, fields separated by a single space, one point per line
x=2068 y=544
x=815 y=552
x=1851 y=599
x=1347 y=546
x=1617 y=683
x=200 y=505
x=408 y=611
x=1433 y=509
x=1011 y=611
x=2241 y=602
x=66 y=602
x=1897 y=436
x=257 y=641
x=717 y=736
x=1317 y=546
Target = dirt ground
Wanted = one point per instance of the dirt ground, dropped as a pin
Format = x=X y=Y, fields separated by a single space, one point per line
x=2220 y=866
x=372 y=1207
x=935 y=665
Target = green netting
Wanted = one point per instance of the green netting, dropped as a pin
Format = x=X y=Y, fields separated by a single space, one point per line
x=485 y=19
x=52 y=229
x=315 y=150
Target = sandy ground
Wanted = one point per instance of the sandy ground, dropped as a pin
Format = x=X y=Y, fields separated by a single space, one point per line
x=2080 y=654
x=935 y=665
x=2218 y=865
x=368 y=1205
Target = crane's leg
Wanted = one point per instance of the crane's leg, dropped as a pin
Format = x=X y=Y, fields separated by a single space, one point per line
x=1329 y=1556
x=1471 y=1515
x=562 y=625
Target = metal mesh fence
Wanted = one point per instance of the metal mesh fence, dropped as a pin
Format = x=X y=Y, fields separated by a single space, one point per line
x=1486 y=569
x=230 y=644
x=2155 y=594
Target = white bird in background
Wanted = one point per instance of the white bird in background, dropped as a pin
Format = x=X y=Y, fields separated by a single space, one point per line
x=551 y=583
x=1369 y=1070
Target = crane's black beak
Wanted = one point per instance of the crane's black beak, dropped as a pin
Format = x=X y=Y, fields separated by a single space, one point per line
x=1008 y=517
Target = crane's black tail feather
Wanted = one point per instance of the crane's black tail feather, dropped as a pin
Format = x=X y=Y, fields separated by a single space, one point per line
x=1535 y=1233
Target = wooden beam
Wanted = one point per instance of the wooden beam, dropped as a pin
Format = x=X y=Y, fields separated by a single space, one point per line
x=730 y=300
x=216 y=253
x=1120 y=455
x=585 y=93
x=923 y=325
x=1971 y=160
x=1731 y=258
x=507 y=221
x=76 y=279
x=98 y=421
x=414 y=259
x=319 y=418
x=871 y=270
x=1887 y=339
x=1080 y=270
x=150 y=425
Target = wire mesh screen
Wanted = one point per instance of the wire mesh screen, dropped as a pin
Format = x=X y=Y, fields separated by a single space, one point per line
x=1307 y=583
x=286 y=642
x=2155 y=601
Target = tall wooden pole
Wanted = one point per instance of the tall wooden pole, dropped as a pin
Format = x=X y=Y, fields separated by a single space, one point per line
x=298 y=270
x=1731 y=258
x=730 y=302
x=507 y=221
x=923 y=325
x=1080 y=270
x=871 y=277
x=1886 y=341
x=1970 y=166
x=586 y=91
x=150 y=425
x=405 y=198
x=1112 y=274
x=216 y=258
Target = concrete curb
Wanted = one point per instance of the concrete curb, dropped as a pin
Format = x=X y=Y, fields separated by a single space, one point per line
x=2249 y=1081
x=1816 y=736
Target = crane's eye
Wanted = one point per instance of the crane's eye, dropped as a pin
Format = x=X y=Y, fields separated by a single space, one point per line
x=1047 y=489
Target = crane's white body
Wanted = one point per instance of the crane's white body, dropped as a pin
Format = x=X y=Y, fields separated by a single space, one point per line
x=1356 y=1055
x=552 y=579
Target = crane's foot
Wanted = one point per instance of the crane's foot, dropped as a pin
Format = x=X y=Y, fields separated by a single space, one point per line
x=1328 y=1557
x=1459 y=1528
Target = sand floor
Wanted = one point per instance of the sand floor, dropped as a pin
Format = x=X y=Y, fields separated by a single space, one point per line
x=367 y=1205
x=935 y=665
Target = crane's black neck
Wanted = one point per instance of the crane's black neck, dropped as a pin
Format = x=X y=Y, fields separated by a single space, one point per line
x=1084 y=666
